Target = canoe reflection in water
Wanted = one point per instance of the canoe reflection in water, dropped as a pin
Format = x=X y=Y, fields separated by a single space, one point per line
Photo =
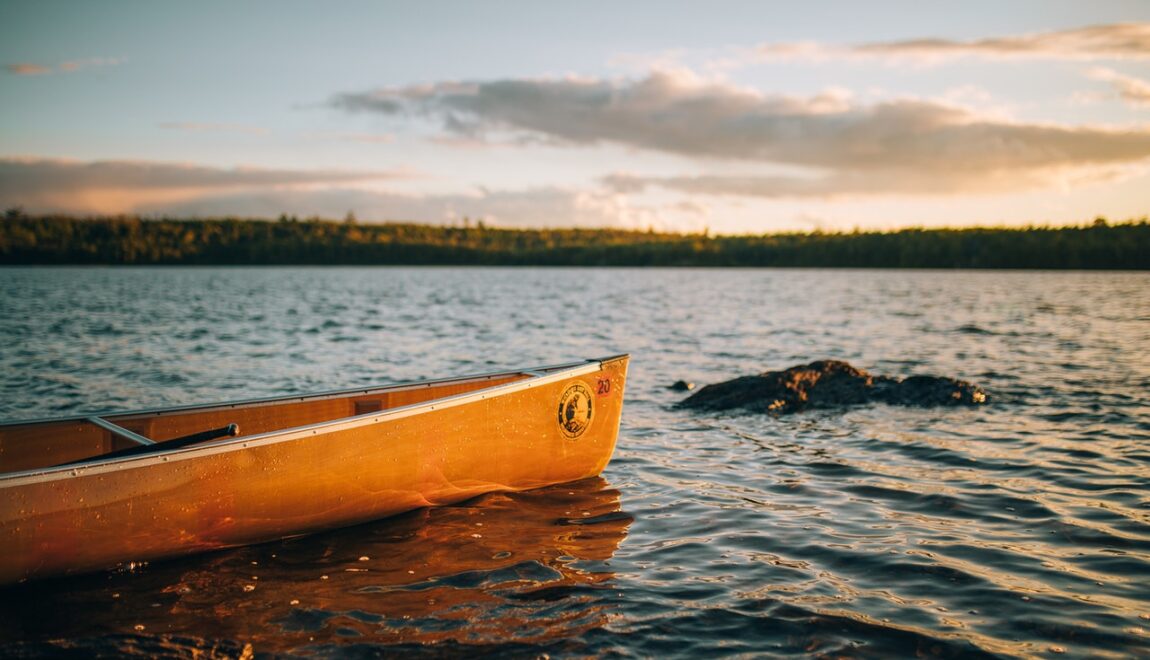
x=505 y=568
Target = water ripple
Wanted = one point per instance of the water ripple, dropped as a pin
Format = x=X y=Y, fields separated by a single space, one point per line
x=1021 y=529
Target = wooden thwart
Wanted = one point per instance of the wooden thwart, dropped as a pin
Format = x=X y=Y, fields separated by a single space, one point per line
x=147 y=445
x=121 y=431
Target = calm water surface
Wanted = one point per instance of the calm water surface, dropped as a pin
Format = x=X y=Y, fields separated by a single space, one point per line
x=1019 y=529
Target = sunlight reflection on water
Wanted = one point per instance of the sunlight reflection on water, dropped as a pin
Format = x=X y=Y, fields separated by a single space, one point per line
x=1019 y=528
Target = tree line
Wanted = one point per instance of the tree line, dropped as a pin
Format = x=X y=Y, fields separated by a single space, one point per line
x=56 y=239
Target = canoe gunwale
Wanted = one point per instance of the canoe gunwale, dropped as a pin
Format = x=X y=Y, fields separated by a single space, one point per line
x=97 y=465
x=398 y=386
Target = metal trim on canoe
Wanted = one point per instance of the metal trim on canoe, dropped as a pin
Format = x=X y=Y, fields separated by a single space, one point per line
x=97 y=465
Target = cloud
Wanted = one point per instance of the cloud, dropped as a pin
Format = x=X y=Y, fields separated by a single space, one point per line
x=691 y=207
x=55 y=185
x=27 y=69
x=534 y=207
x=1114 y=41
x=828 y=186
x=908 y=145
x=50 y=173
x=1118 y=41
x=1133 y=91
x=100 y=187
x=90 y=63
x=873 y=183
x=71 y=66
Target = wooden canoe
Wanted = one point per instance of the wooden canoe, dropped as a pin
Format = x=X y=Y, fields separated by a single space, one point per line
x=94 y=492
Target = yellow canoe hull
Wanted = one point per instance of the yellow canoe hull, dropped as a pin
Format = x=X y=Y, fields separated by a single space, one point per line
x=300 y=465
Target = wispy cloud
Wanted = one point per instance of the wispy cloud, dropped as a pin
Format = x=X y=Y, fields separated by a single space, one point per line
x=27 y=69
x=70 y=66
x=51 y=173
x=52 y=185
x=125 y=186
x=861 y=183
x=537 y=207
x=1134 y=91
x=1119 y=41
x=90 y=63
x=909 y=145
x=1114 y=41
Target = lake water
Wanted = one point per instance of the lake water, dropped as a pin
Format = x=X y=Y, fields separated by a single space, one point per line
x=1021 y=528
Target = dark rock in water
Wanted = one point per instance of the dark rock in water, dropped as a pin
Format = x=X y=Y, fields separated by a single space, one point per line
x=681 y=386
x=830 y=384
x=936 y=391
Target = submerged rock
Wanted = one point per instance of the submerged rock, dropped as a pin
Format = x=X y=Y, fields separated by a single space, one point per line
x=830 y=384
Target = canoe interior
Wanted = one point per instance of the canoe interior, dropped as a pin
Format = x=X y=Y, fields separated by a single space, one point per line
x=41 y=444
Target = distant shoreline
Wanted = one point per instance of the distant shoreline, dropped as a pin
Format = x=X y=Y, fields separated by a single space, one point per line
x=27 y=240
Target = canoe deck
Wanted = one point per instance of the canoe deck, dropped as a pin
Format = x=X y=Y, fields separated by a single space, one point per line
x=298 y=465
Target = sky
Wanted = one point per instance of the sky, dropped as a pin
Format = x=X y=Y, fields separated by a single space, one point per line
x=732 y=117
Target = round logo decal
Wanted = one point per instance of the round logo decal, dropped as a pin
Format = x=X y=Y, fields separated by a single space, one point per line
x=575 y=410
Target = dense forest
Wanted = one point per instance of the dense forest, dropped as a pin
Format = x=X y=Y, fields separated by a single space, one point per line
x=50 y=239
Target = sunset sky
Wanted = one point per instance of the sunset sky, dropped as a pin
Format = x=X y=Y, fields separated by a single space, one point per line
x=734 y=116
